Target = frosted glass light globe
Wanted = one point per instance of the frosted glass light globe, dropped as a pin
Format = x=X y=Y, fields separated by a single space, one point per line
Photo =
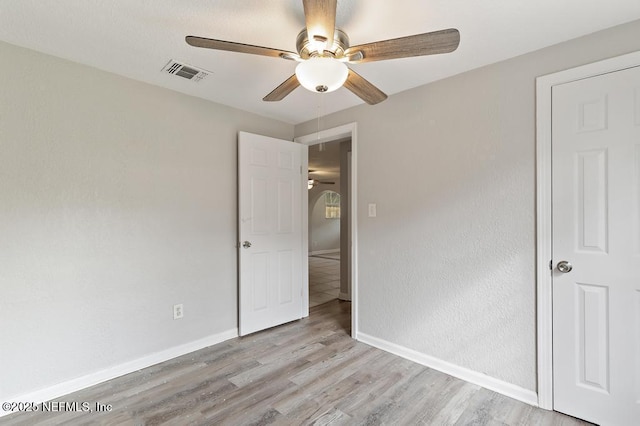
x=320 y=74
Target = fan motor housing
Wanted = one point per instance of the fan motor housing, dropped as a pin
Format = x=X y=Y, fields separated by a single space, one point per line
x=306 y=48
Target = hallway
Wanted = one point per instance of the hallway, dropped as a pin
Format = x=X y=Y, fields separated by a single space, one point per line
x=324 y=278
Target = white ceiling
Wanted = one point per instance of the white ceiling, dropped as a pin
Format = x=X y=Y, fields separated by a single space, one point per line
x=137 y=38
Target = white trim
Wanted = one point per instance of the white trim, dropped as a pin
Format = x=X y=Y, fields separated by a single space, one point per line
x=324 y=251
x=328 y=135
x=344 y=131
x=92 y=379
x=304 y=175
x=544 y=325
x=544 y=86
x=512 y=391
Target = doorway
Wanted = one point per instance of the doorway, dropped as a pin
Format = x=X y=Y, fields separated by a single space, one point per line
x=348 y=231
x=588 y=204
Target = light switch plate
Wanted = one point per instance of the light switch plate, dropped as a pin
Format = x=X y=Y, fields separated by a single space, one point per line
x=372 y=210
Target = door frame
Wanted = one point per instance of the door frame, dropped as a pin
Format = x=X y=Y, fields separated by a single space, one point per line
x=544 y=226
x=330 y=135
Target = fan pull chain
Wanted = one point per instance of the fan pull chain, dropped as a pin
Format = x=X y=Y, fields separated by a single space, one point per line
x=318 y=121
x=320 y=113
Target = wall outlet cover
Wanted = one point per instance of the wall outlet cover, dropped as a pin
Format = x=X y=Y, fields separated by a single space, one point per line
x=178 y=311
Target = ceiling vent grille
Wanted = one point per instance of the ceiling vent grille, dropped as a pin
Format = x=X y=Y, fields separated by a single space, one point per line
x=185 y=71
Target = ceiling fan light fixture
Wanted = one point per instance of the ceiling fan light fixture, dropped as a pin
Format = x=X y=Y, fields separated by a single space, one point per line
x=322 y=49
x=322 y=74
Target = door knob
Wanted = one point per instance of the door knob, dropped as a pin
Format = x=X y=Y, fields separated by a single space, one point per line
x=246 y=244
x=564 y=266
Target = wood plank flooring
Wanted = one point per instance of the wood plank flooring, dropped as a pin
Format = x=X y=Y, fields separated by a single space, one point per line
x=306 y=372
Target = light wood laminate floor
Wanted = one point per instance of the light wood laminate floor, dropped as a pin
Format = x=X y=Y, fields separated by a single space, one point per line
x=306 y=372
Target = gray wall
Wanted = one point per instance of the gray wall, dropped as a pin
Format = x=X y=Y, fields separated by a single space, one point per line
x=117 y=201
x=447 y=268
x=324 y=234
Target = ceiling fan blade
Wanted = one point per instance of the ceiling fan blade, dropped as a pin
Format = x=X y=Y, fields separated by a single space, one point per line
x=443 y=41
x=320 y=16
x=280 y=92
x=363 y=89
x=209 y=43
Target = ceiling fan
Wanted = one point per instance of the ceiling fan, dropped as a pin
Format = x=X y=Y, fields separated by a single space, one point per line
x=316 y=182
x=312 y=183
x=323 y=52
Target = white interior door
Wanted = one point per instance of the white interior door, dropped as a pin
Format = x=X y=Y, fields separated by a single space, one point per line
x=596 y=228
x=271 y=251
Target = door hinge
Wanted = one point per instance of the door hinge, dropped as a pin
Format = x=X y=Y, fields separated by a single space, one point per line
x=300 y=169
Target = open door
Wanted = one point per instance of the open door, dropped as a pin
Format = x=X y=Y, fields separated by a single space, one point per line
x=272 y=256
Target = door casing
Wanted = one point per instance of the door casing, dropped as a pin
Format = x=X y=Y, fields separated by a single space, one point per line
x=544 y=235
x=329 y=135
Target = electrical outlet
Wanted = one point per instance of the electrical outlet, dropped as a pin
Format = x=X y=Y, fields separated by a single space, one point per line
x=178 y=311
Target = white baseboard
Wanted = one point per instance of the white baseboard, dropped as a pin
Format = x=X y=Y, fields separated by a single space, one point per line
x=512 y=391
x=324 y=251
x=74 y=385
